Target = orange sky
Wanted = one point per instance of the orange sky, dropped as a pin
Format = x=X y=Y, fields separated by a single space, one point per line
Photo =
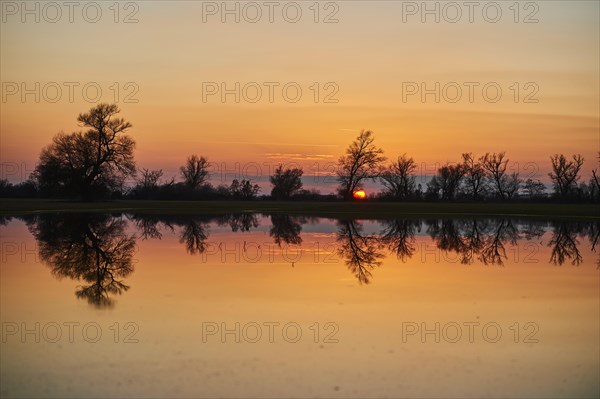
x=369 y=56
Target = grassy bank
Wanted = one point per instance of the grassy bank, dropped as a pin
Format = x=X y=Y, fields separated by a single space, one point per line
x=324 y=209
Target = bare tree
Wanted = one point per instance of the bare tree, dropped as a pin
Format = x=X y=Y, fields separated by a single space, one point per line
x=195 y=171
x=286 y=182
x=474 y=175
x=565 y=174
x=595 y=182
x=399 y=178
x=446 y=182
x=362 y=161
x=496 y=165
x=147 y=183
x=534 y=188
x=243 y=190
x=149 y=178
x=513 y=184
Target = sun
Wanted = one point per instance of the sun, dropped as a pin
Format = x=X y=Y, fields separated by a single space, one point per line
x=359 y=194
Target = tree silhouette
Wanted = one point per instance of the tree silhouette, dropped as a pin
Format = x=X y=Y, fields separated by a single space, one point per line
x=358 y=251
x=446 y=182
x=534 y=188
x=147 y=183
x=194 y=172
x=243 y=190
x=362 y=161
x=91 y=248
x=595 y=181
x=565 y=174
x=474 y=175
x=286 y=182
x=496 y=165
x=88 y=164
x=399 y=177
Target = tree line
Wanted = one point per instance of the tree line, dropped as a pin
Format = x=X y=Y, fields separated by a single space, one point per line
x=95 y=163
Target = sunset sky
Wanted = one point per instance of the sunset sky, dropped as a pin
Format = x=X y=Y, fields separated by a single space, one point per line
x=368 y=56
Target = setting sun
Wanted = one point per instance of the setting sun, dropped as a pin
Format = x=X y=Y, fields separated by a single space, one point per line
x=360 y=194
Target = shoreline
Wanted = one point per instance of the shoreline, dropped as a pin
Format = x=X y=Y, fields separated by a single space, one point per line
x=360 y=210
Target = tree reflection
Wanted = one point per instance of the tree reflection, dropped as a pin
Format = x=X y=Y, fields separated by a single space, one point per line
x=97 y=249
x=484 y=240
x=193 y=235
x=594 y=235
x=286 y=229
x=358 y=251
x=564 y=243
x=399 y=237
x=193 y=229
x=242 y=221
x=91 y=248
x=472 y=242
x=493 y=251
x=149 y=226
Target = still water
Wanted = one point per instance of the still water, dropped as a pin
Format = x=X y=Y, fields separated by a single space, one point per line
x=250 y=305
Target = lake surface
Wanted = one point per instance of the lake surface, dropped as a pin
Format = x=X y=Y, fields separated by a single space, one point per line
x=117 y=305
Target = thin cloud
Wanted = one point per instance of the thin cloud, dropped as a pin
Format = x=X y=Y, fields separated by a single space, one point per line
x=296 y=156
x=277 y=144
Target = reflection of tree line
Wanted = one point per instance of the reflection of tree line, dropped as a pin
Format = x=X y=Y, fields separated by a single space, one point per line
x=484 y=240
x=98 y=249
